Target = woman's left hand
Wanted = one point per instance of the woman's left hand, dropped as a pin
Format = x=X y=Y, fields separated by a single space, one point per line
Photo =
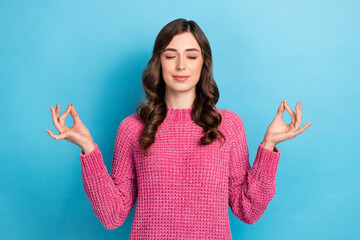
x=279 y=131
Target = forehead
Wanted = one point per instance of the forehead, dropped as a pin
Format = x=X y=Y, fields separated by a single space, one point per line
x=183 y=42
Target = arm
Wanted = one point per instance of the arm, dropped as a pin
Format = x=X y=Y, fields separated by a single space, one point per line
x=250 y=189
x=111 y=197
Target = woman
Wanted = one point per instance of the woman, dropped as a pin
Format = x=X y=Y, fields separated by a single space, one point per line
x=183 y=159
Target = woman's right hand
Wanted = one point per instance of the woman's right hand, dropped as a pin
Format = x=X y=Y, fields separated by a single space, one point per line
x=77 y=134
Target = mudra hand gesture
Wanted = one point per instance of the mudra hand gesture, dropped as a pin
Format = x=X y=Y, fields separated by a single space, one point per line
x=77 y=134
x=279 y=131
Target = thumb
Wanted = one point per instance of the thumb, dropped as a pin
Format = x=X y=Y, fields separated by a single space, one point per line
x=74 y=114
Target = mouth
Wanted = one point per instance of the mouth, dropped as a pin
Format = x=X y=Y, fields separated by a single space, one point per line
x=180 y=77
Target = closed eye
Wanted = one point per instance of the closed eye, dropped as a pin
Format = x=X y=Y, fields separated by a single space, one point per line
x=173 y=57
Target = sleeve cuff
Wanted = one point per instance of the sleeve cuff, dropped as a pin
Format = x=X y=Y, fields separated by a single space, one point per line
x=266 y=162
x=92 y=162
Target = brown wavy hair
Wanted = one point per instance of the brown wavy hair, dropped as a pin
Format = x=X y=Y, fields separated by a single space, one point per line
x=153 y=108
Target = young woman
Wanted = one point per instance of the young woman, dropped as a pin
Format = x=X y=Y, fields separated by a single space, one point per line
x=184 y=160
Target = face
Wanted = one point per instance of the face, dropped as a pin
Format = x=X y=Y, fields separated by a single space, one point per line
x=182 y=57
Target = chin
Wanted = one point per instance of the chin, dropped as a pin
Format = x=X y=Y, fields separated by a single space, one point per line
x=183 y=88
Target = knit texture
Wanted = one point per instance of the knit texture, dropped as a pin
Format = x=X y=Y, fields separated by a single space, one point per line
x=183 y=188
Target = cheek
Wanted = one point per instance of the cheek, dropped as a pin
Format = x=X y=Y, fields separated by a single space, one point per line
x=166 y=71
x=166 y=66
x=197 y=67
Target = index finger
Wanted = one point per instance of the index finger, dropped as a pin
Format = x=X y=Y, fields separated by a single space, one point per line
x=290 y=111
x=74 y=114
x=64 y=115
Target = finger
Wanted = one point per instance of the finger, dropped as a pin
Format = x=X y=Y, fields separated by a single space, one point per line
x=54 y=136
x=298 y=118
x=292 y=114
x=55 y=119
x=300 y=109
x=301 y=130
x=281 y=110
x=74 y=114
x=57 y=110
x=64 y=115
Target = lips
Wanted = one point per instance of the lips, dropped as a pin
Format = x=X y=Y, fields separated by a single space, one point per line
x=181 y=77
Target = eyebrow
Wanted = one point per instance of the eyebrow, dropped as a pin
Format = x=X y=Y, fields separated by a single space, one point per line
x=188 y=49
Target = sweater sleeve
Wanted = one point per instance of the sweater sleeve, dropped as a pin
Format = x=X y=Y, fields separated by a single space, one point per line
x=111 y=196
x=250 y=189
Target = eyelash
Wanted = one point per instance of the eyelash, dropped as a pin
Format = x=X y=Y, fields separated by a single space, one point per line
x=173 y=57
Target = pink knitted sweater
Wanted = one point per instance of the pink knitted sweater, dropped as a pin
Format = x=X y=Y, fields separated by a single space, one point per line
x=183 y=189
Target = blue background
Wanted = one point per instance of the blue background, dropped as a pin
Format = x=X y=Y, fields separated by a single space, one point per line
x=92 y=53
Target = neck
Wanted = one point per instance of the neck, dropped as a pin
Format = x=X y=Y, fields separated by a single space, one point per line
x=176 y=99
x=178 y=115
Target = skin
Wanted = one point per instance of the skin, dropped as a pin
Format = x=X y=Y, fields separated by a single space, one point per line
x=278 y=131
x=182 y=56
x=177 y=60
x=77 y=134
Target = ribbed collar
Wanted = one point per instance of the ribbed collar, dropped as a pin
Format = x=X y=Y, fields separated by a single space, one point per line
x=178 y=115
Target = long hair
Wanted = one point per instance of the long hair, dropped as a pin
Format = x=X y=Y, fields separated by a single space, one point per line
x=153 y=108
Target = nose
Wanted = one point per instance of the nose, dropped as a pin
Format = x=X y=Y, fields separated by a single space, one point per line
x=180 y=64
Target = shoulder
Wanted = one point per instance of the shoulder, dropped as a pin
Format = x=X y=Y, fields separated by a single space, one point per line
x=232 y=124
x=132 y=125
x=132 y=121
x=230 y=118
